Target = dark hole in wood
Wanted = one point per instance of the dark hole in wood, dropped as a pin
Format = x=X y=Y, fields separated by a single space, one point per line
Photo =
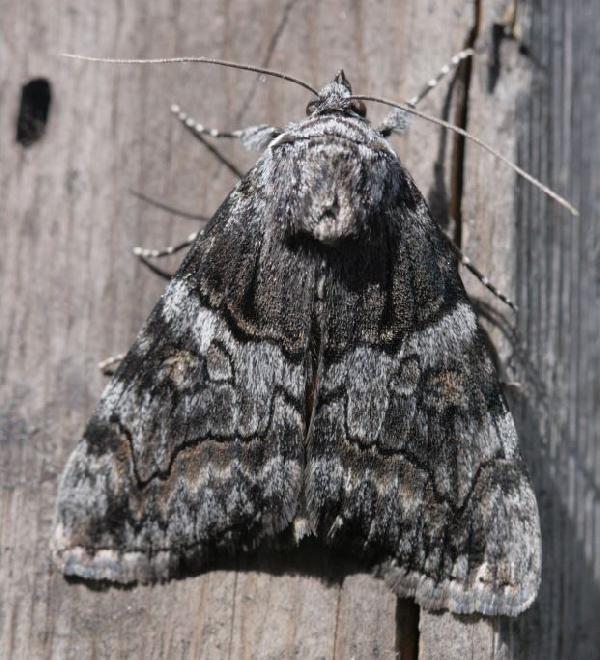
x=36 y=98
x=407 y=629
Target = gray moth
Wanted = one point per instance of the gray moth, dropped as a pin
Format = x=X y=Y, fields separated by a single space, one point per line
x=314 y=368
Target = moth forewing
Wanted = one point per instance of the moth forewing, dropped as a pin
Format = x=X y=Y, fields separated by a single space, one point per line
x=315 y=364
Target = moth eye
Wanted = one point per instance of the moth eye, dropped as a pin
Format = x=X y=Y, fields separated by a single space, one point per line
x=359 y=107
x=310 y=108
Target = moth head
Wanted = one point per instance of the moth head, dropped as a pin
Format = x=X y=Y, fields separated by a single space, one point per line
x=335 y=97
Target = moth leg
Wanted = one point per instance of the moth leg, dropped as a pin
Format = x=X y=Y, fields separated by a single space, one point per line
x=397 y=120
x=254 y=138
x=166 y=251
x=168 y=208
x=429 y=85
x=109 y=366
x=155 y=269
x=248 y=136
x=467 y=263
x=145 y=254
x=432 y=83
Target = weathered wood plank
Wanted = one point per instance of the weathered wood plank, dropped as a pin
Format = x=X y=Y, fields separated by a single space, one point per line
x=76 y=295
x=272 y=615
x=445 y=635
x=486 y=230
x=364 y=603
x=557 y=279
x=72 y=294
x=527 y=97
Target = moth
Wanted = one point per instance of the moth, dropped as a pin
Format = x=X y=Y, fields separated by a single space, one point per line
x=314 y=368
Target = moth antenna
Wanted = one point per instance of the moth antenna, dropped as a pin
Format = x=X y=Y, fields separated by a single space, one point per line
x=456 y=129
x=205 y=60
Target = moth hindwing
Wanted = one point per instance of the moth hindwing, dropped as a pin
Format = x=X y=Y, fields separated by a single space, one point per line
x=315 y=362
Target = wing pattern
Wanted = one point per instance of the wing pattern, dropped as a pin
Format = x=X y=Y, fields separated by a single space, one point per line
x=196 y=445
x=314 y=366
x=413 y=454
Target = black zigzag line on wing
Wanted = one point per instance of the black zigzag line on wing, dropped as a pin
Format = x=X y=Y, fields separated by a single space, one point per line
x=209 y=437
x=340 y=394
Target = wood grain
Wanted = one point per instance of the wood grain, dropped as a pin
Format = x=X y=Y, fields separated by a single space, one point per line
x=72 y=294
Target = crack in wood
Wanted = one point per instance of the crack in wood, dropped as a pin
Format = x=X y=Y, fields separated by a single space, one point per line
x=464 y=74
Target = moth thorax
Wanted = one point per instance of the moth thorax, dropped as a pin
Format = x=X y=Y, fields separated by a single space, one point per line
x=332 y=214
x=331 y=199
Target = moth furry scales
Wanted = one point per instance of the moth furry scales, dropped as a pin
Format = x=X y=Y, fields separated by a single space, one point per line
x=314 y=363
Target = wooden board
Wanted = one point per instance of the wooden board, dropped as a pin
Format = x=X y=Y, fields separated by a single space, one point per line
x=72 y=294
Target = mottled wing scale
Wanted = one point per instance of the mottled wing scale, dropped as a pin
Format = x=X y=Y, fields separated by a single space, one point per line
x=315 y=363
x=196 y=445
x=412 y=453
